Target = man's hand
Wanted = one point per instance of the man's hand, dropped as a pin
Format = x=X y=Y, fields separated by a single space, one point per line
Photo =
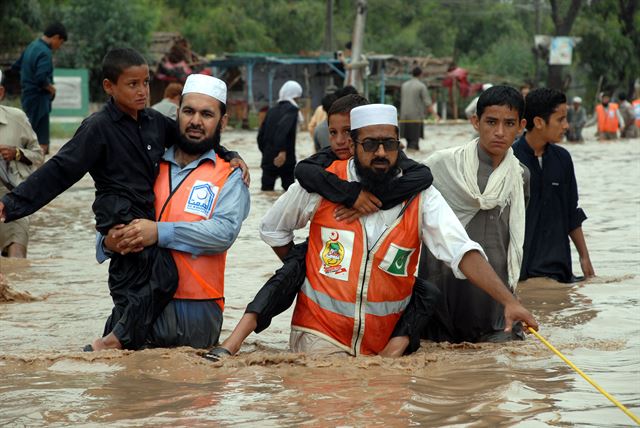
x=112 y=239
x=348 y=215
x=8 y=153
x=279 y=160
x=3 y=215
x=516 y=312
x=142 y=228
x=52 y=91
x=132 y=238
x=240 y=163
x=367 y=203
x=587 y=268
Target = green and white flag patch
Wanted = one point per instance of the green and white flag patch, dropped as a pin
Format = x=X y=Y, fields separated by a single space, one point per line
x=396 y=259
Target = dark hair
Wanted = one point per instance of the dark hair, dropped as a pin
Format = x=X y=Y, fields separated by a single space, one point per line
x=347 y=103
x=347 y=90
x=501 y=96
x=327 y=100
x=119 y=59
x=56 y=28
x=542 y=102
x=622 y=96
x=416 y=72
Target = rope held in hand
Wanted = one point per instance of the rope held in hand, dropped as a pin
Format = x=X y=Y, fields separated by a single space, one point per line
x=587 y=378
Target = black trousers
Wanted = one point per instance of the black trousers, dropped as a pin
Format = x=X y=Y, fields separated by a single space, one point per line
x=141 y=286
x=280 y=291
x=270 y=174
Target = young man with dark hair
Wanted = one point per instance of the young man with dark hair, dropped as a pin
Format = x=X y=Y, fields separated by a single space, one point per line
x=486 y=187
x=553 y=215
x=36 y=80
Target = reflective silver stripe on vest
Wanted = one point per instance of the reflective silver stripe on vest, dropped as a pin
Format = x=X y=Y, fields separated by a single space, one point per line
x=387 y=308
x=328 y=303
x=348 y=309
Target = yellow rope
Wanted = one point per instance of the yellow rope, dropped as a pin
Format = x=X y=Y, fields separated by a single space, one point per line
x=587 y=378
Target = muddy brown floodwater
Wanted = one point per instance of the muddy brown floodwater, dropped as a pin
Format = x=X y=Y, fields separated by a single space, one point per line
x=57 y=300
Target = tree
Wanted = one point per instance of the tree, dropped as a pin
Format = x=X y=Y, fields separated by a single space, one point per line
x=563 y=23
x=95 y=26
x=610 y=43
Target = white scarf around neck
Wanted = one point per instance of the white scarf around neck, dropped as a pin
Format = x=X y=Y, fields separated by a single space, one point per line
x=455 y=173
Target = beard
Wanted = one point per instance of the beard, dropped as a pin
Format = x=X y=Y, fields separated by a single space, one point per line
x=371 y=178
x=193 y=147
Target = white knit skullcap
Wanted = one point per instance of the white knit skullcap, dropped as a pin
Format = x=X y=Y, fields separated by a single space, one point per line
x=207 y=85
x=373 y=114
x=577 y=100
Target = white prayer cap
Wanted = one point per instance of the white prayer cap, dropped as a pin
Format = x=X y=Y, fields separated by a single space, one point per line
x=373 y=114
x=577 y=100
x=486 y=86
x=207 y=85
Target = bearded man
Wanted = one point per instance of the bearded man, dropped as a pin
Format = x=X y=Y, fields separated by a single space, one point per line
x=360 y=275
x=200 y=203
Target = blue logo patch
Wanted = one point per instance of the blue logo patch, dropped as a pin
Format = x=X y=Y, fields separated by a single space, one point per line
x=201 y=199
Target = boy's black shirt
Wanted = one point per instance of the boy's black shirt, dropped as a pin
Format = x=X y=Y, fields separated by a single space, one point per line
x=313 y=177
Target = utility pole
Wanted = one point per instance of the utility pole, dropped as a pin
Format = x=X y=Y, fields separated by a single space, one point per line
x=328 y=27
x=355 y=70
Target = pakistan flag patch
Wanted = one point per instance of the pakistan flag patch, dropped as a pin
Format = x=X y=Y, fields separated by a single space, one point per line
x=396 y=260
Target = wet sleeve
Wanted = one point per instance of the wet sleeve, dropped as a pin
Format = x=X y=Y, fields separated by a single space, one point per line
x=576 y=214
x=312 y=175
x=59 y=173
x=415 y=178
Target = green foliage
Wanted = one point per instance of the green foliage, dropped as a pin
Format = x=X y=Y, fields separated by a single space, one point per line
x=508 y=60
x=95 y=26
x=492 y=38
x=605 y=51
x=20 y=23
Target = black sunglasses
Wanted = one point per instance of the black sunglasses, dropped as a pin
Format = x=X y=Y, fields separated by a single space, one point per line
x=371 y=145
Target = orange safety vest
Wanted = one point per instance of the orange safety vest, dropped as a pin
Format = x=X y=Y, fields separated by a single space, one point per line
x=194 y=199
x=353 y=297
x=636 y=111
x=607 y=120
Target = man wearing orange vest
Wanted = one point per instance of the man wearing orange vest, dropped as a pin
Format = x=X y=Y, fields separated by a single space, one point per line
x=360 y=275
x=609 y=119
x=200 y=205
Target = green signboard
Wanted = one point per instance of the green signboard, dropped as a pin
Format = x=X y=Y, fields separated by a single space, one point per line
x=72 y=92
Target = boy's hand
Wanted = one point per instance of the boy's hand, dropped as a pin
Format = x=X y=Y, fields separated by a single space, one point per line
x=118 y=240
x=240 y=163
x=367 y=203
x=345 y=214
x=279 y=160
